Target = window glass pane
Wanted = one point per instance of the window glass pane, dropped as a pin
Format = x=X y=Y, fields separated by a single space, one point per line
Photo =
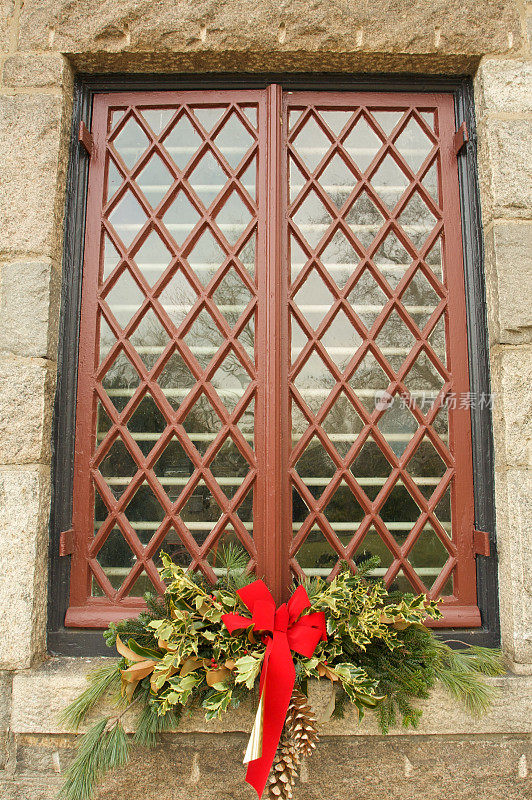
x=116 y=558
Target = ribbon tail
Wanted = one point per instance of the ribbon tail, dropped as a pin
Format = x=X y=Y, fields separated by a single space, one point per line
x=277 y=689
x=254 y=748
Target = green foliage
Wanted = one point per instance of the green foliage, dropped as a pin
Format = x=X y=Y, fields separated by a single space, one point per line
x=217 y=701
x=102 y=681
x=378 y=654
x=459 y=670
x=104 y=747
x=416 y=663
x=247 y=670
x=150 y=723
x=234 y=561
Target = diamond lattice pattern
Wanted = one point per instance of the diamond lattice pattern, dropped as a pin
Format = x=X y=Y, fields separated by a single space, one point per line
x=366 y=280
x=178 y=255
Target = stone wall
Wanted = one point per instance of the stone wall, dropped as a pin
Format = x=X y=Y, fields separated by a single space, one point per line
x=42 y=44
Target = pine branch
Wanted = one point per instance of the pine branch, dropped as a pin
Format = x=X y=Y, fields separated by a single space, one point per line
x=461 y=671
x=104 y=747
x=150 y=724
x=101 y=681
x=234 y=561
x=133 y=629
x=365 y=567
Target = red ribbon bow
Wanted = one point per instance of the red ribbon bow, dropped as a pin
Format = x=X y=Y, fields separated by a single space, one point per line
x=284 y=629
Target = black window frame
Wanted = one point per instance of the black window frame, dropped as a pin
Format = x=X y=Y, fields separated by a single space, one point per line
x=75 y=642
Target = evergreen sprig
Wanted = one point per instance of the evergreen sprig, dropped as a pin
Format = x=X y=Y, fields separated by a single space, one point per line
x=150 y=724
x=459 y=671
x=104 y=747
x=102 y=681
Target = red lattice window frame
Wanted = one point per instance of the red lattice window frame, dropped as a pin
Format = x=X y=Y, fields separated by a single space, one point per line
x=273 y=380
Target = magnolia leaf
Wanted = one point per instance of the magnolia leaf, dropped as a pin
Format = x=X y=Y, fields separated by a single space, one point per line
x=324 y=671
x=215 y=676
x=189 y=665
x=146 y=652
x=132 y=676
x=138 y=671
x=128 y=689
x=127 y=652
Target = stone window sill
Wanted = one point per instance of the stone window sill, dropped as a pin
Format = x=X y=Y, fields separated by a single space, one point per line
x=40 y=694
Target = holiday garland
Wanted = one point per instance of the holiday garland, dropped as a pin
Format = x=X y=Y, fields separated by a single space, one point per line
x=209 y=647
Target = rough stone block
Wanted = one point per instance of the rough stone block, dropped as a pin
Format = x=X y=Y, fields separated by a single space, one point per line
x=520 y=530
x=33 y=70
x=396 y=767
x=5 y=717
x=509 y=145
x=26 y=399
x=29 y=787
x=503 y=86
x=512 y=407
x=208 y=767
x=7 y=8
x=514 y=500
x=24 y=500
x=509 y=279
x=29 y=165
x=40 y=694
x=385 y=26
x=29 y=309
x=43 y=754
x=5 y=700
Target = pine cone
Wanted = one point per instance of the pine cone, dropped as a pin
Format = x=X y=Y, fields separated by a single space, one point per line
x=284 y=771
x=298 y=739
x=301 y=723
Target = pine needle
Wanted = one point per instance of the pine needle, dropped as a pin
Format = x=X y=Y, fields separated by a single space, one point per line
x=461 y=672
x=102 y=680
x=150 y=724
x=100 y=750
x=234 y=560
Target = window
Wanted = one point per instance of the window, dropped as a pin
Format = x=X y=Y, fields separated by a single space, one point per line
x=272 y=345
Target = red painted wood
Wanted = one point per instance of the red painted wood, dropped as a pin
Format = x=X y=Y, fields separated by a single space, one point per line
x=481 y=543
x=272 y=549
x=277 y=523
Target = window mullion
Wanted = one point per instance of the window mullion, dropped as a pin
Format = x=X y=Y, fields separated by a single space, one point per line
x=272 y=523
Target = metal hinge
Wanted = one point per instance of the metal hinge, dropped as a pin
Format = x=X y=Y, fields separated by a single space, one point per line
x=461 y=137
x=481 y=543
x=66 y=542
x=85 y=137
